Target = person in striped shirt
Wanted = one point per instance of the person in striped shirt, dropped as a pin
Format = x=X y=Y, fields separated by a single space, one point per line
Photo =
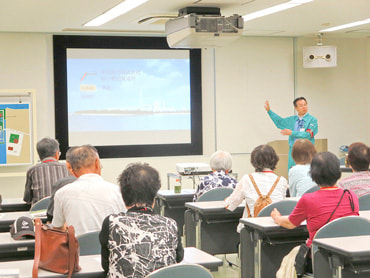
x=43 y=175
x=359 y=160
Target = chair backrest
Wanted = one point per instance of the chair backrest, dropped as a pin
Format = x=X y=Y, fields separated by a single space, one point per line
x=344 y=226
x=216 y=194
x=89 y=243
x=181 y=271
x=312 y=189
x=364 y=202
x=285 y=207
x=41 y=204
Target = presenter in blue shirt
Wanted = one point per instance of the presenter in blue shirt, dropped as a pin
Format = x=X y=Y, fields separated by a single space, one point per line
x=301 y=126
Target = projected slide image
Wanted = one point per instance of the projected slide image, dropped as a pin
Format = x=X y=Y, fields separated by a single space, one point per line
x=124 y=101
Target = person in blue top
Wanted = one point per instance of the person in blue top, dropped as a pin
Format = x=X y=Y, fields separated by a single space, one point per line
x=301 y=126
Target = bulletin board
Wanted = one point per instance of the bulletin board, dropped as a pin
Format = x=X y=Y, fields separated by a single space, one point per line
x=16 y=127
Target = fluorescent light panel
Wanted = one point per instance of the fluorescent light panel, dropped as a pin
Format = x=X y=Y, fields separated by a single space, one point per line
x=345 y=26
x=116 y=11
x=275 y=9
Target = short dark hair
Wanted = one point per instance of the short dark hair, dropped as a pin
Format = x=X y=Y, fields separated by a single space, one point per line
x=298 y=99
x=359 y=156
x=139 y=184
x=81 y=157
x=47 y=147
x=264 y=156
x=303 y=151
x=325 y=169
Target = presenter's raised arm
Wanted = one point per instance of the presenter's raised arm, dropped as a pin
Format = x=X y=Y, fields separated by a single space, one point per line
x=267 y=105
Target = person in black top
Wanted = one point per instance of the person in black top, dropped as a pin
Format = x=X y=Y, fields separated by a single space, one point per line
x=137 y=242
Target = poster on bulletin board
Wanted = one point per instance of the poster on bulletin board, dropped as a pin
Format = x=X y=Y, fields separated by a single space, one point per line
x=15 y=134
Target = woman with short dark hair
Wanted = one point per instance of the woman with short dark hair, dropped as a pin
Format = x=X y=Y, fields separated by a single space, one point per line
x=359 y=160
x=299 y=179
x=317 y=207
x=138 y=242
x=264 y=160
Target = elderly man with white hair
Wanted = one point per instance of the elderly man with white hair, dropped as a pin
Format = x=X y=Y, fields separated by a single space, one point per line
x=220 y=163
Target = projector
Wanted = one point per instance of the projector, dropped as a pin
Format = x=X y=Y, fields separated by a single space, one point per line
x=193 y=168
x=202 y=29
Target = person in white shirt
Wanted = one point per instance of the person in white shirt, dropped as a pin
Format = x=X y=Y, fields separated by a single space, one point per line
x=299 y=177
x=264 y=160
x=86 y=202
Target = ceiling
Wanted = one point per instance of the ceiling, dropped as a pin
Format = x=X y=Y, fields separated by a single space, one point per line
x=68 y=17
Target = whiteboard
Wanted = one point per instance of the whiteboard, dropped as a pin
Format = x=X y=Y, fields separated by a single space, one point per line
x=247 y=73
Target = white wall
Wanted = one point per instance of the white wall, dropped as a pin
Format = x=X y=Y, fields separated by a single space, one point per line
x=26 y=63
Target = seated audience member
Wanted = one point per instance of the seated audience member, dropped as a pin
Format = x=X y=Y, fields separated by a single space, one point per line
x=85 y=202
x=220 y=163
x=42 y=176
x=137 y=242
x=359 y=160
x=264 y=160
x=59 y=184
x=299 y=179
x=324 y=205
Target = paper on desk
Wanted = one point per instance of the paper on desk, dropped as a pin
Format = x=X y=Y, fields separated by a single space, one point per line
x=9 y=273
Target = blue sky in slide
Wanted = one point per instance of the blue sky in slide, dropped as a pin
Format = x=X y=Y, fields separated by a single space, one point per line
x=100 y=84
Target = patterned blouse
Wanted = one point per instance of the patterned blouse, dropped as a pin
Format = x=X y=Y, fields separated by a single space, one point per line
x=358 y=182
x=213 y=180
x=138 y=242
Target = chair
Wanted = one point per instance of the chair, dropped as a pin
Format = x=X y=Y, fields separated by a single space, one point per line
x=89 y=243
x=312 y=189
x=181 y=271
x=340 y=227
x=216 y=194
x=364 y=202
x=41 y=204
x=285 y=207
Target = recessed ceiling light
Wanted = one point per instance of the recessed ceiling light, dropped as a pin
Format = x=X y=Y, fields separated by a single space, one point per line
x=345 y=26
x=116 y=11
x=275 y=9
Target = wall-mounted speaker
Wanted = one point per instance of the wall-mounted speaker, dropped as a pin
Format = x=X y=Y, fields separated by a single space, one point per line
x=319 y=56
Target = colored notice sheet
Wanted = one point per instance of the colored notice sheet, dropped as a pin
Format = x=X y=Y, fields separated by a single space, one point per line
x=15 y=146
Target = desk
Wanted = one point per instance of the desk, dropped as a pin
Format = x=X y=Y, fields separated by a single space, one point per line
x=263 y=242
x=14 y=204
x=7 y=218
x=365 y=214
x=11 y=249
x=172 y=205
x=349 y=256
x=91 y=265
x=212 y=228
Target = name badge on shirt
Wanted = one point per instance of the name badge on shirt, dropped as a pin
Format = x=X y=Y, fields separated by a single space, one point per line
x=302 y=129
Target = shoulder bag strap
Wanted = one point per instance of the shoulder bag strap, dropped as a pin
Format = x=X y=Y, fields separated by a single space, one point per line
x=340 y=200
x=37 y=248
x=255 y=185
x=71 y=250
x=273 y=187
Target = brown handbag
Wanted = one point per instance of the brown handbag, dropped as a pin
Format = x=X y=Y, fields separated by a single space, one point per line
x=55 y=250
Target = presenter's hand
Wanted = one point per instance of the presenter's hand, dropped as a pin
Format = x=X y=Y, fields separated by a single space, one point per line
x=267 y=105
x=286 y=132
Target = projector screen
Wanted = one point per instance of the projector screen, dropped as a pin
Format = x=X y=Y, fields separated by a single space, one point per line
x=127 y=101
x=128 y=97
